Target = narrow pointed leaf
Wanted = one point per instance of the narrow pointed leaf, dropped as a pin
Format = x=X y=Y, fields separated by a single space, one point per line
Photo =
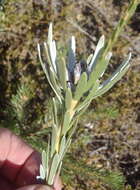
x=97 y=53
x=67 y=119
x=68 y=98
x=44 y=67
x=90 y=96
x=50 y=34
x=62 y=72
x=47 y=158
x=71 y=131
x=53 y=139
x=44 y=160
x=89 y=59
x=55 y=112
x=49 y=60
x=54 y=167
x=52 y=49
x=104 y=64
x=62 y=146
x=49 y=78
x=68 y=143
x=81 y=87
x=59 y=168
x=42 y=172
x=98 y=71
x=116 y=76
x=42 y=63
x=55 y=86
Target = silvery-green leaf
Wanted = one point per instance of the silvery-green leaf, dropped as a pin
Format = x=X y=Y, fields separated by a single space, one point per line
x=53 y=169
x=67 y=119
x=53 y=139
x=44 y=67
x=45 y=130
x=81 y=86
x=49 y=78
x=97 y=53
x=68 y=143
x=44 y=159
x=55 y=112
x=104 y=64
x=42 y=63
x=50 y=34
x=73 y=127
x=47 y=158
x=62 y=72
x=67 y=146
x=89 y=97
x=116 y=76
x=68 y=98
x=53 y=54
x=93 y=91
x=49 y=60
x=71 y=55
x=53 y=80
x=59 y=168
x=55 y=86
x=98 y=70
x=62 y=146
x=89 y=59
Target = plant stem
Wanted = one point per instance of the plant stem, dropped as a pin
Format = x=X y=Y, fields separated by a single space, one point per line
x=120 y=26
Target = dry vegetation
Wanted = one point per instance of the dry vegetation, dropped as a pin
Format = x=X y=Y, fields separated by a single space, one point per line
x=108 y=134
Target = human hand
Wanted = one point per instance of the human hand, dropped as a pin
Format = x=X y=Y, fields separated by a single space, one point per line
x=19 y=164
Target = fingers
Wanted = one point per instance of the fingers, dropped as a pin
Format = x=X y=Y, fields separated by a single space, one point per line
x=19 y=163
x=57 y=183
x=5 y=141
x=30 y=170
x=17 y=159
x=35 y=187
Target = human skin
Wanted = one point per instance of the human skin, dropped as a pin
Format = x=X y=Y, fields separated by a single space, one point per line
x=19 y=164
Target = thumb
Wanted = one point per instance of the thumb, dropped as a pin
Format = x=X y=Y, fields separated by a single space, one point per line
x=35 y=187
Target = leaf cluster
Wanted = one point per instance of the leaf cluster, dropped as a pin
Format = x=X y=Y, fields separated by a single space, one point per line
x=75 y=86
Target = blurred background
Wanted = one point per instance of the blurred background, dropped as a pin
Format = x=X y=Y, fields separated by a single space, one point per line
x=105 y=152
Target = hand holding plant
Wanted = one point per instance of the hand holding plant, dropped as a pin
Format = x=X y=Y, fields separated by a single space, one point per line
x=22 y=163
